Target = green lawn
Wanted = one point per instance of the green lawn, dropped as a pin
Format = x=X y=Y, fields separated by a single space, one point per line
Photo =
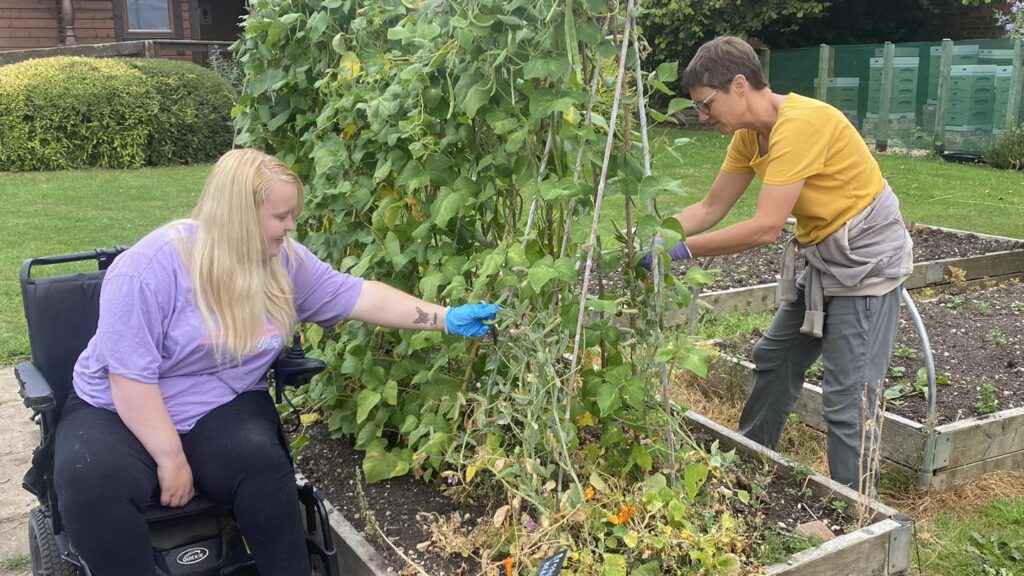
x=60 y=212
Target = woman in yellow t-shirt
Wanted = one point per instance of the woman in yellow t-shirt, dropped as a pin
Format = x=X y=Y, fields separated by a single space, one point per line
x=812 y=164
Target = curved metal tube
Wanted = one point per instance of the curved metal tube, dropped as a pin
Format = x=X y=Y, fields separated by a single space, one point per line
x=929 y=361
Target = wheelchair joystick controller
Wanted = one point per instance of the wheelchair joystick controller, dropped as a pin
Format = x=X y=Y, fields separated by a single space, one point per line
x=293 y=368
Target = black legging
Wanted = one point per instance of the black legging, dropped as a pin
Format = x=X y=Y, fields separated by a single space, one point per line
x=105 y=478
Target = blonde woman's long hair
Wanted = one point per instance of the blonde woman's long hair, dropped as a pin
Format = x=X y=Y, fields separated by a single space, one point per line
x=237 y=288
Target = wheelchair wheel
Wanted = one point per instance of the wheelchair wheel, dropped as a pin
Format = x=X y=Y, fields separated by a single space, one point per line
x=42 y=546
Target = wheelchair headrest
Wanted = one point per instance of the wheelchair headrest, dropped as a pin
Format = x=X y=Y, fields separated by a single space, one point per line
x=62 y=313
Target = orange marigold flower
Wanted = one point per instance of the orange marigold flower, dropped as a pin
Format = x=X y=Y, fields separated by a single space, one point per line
x=625 y=513
x=507 y=562
x=589 y=493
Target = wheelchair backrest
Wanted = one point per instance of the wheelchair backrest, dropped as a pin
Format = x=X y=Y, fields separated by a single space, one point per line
x=62 y=313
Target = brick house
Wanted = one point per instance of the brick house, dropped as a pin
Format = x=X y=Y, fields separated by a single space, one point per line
x=29 y=24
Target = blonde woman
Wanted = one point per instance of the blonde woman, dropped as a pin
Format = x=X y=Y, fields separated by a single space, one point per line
x=170 y=394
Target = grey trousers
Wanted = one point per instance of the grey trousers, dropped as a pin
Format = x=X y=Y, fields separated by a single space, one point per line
x=857 y=343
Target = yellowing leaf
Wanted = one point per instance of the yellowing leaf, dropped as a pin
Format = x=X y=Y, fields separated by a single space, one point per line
x=470 y=473
x=571 y=115
x=586 y=419
x=349 y=66
x=307 y=419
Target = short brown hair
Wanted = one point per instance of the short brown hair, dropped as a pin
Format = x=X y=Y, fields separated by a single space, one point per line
x=718 y=61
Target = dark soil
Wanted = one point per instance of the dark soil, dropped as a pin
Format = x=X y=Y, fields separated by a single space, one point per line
x=762 y=265
x=402 y=507
x=976 y=338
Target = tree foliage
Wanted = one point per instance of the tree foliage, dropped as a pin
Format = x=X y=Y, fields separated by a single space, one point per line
x=676 y=28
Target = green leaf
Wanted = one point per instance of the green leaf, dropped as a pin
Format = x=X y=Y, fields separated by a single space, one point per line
x=548 y=101
x=408 y=425
x=379 y=463
x=614 y=565
x=390 y=394
x=641 y=457
x=427 y=31
x=608 y=399
x=677 y=104
x=277 y=121
x=476 y=97
x=544 y=68
x=429 y=285
x=448 y=207
x=668 y=72
x=666 y=352
x=313 y=335
x=694 y=477
x=317 y=24
x=366 y=400
x=515 y=140
x=561 y=188
x=398 y=33
x=635 y=392
x=653 y=186
x=697 y=276
x=695 y=360
x=392 y=247
x=541 y=272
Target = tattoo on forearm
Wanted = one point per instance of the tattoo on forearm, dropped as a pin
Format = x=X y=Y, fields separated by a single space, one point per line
x=422 y=317
x=435 y=320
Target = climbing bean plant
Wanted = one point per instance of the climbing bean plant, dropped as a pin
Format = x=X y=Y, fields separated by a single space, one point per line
x=427 y=132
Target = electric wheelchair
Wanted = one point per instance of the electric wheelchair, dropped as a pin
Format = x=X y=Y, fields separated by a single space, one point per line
x=199 y=538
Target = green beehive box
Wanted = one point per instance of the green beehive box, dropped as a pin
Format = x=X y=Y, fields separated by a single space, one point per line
x=901 y=51
x=971 y=97
x=965 y=54
x=995 y=56
x=904 y=84
x=1001 y=99
x=843 y=93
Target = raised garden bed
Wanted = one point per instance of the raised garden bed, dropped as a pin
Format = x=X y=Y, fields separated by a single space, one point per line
x=977 y=338
x=401 y=508
x=746 y=282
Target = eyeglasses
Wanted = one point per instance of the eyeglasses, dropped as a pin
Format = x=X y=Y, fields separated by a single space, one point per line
x=704 y=106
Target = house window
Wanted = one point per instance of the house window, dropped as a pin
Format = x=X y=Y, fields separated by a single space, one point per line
x=148 y=15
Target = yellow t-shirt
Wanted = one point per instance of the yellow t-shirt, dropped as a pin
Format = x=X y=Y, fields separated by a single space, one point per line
x=814 y=142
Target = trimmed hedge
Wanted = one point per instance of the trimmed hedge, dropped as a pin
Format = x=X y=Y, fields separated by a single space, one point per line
x=73 y=112
x=193 y=119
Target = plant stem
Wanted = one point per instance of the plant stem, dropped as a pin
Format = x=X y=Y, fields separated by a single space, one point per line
x=602 y=182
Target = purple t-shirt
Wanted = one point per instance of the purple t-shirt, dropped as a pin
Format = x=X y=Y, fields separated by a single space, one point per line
x=150 y=328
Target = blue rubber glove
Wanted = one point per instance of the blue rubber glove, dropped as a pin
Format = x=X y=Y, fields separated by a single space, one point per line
x=678 y=252
x=468 y=320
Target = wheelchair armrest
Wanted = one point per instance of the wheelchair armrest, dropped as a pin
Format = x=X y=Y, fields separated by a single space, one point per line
x=34 y=389
x=296 y=369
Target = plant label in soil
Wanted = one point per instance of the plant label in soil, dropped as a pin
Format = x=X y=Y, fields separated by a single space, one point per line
x=552 y=565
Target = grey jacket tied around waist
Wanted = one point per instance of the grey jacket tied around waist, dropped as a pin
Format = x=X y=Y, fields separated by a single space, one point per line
x=871 y=255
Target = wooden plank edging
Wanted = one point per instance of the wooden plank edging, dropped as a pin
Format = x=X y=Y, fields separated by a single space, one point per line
x=356 y=557
x=977 y=445
x=902 y=439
